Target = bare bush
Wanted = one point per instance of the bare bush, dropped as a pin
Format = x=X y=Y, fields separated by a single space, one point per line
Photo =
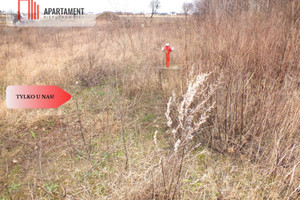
x=185 y=120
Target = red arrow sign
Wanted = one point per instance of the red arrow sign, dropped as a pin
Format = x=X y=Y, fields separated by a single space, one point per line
x=35 y=96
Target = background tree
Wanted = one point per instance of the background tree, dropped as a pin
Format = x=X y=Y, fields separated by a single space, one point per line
x=155 y=5
x=187 y=8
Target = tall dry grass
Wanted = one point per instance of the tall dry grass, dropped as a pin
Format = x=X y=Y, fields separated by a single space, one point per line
x=253 y=125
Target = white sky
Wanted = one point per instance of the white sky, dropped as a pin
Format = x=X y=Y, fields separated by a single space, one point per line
x=98 y=5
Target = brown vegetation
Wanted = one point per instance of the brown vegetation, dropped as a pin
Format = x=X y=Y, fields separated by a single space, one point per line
x=100 y=144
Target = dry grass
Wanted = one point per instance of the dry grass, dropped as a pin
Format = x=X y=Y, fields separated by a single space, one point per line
x=249 y=143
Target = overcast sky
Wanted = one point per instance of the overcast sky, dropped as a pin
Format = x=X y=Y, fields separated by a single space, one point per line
x=98 y=5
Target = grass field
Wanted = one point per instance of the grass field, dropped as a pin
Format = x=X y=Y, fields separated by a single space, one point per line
x=230 y=130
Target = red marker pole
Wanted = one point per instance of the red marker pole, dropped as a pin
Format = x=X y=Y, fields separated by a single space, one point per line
x=35 y=97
